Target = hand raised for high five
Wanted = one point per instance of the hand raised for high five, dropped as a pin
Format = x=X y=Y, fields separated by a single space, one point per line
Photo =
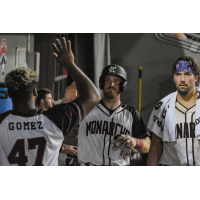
x=89 y=95
x=70 y=93
x=63 y=53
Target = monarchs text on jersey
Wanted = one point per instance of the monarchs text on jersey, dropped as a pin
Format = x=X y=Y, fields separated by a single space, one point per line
x=185 y=150
x=96 y=132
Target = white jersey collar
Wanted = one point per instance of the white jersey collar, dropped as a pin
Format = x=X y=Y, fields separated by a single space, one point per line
x=106 y=111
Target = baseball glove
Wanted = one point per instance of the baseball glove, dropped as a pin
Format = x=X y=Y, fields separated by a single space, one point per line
x=119 y=143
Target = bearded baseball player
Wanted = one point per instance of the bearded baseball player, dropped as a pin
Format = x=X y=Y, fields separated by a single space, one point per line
x=44 y=101
x=111 y=130
x=29 y=137
x=175 y=120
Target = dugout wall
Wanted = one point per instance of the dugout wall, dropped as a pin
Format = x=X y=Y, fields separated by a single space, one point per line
x=131 y=50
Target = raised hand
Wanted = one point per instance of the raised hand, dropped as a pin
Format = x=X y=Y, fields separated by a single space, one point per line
x=70 y=93
x=63 y=53
x=89 y=95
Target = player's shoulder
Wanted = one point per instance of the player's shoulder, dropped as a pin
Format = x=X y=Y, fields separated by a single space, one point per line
x=129 y=108
x=4 y=115
x=65 y=107
x=132 y=110
x=198 y=93
x=163 y=101
x=168 y=96
x=98 y=106
x=97 y=109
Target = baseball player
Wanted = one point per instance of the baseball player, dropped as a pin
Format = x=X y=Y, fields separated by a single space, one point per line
x=174 y=121
x=44 y=101
x=29 y=137
x=108 y=119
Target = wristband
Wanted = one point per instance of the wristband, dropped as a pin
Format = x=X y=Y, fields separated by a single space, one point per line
x=139 y=143
x=62 y=148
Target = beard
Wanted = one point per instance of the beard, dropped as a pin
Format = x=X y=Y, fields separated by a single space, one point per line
x=184 y=92
x=111 y=94
x=47 y=105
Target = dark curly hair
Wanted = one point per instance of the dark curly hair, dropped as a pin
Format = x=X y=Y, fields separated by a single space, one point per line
x=193 y=64
x=20 y=82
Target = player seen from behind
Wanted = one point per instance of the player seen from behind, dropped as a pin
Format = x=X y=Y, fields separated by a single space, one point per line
x=31 y=138
x=44 y=101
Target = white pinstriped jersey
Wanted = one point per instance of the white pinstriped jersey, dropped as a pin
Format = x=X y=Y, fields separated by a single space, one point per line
x=185 y=150
x=36 y=138
x=97 y=130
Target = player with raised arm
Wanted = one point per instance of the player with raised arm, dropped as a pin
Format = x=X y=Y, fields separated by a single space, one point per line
x=29 y=137
x=112 y=129
x=44 y=101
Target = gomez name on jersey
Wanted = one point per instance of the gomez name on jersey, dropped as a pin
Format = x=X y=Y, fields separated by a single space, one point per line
x=25 y=125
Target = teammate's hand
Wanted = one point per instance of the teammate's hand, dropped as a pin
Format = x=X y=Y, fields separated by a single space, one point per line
x=72 y=150
x=121 y=141
x=130 y=142
x=70 y=93
x=126 y=152
x=63 y=54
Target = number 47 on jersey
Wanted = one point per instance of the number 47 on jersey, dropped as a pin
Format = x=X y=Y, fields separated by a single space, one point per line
x=19 y=148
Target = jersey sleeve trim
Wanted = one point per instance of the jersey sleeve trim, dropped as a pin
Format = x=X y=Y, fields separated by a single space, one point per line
x=147 y=134
x=4 y=115
x=65 y=116
x=80 y=110
x=124 y=107
x=138 y=128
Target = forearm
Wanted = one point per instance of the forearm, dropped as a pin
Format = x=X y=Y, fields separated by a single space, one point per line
x=88 y=93
x=145 y=147
x=84 y=85
x=155 y=151
x=153 y=157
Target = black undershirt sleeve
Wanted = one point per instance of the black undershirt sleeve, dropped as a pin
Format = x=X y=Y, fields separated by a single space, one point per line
x=65 y=116
x=138 y=128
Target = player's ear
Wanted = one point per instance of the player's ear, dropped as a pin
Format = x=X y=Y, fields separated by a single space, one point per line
x=196 y=77
x=42 y=101
x=35 y=91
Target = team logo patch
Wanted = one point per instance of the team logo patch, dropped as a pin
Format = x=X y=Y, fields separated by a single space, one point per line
x=3 y=57
x=112 y=69
x=164 y=114
x=158 y=105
